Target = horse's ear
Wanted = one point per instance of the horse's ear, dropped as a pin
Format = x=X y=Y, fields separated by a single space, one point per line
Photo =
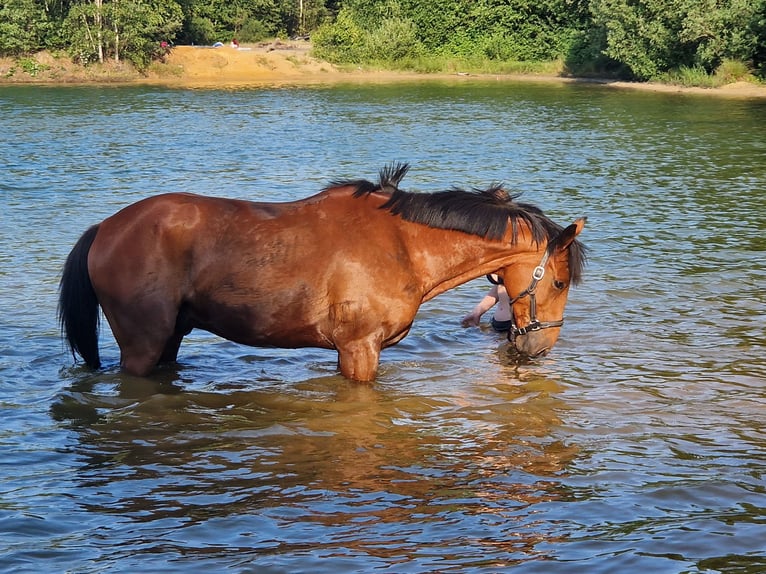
x=566 y=237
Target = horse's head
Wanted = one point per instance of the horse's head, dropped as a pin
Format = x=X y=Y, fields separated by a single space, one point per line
x=538 y=287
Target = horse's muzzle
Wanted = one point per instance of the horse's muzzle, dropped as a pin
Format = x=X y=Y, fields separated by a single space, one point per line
x=534 y=344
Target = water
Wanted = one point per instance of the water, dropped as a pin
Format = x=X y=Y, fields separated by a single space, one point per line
x=638 y=444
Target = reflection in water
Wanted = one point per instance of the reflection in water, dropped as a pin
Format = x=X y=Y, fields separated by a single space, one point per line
x=324 y=452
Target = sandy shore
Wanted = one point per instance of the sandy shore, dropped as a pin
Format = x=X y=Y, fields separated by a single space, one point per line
x=287 y=63
x=291 y=63
x=274 y=62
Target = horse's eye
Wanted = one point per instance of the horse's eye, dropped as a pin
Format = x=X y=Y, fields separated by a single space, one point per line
x=559 y=284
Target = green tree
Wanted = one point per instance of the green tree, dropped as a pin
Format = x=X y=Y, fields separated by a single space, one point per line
x=518 y=29
x=302 y=17
x=23 y=25
x=341 y=40
x=654 y=36
x=368 y=31
x=442 y=24
x=642 y=35
x=758 y=27
x=496 y=29
x=717 y=30
x=137 y=28
x=208 y=21
x=121 y=29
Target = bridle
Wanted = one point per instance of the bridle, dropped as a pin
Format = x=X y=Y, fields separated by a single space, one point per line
x=534 y=323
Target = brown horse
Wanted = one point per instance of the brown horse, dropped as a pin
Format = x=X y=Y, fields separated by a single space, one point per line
x=346 y=269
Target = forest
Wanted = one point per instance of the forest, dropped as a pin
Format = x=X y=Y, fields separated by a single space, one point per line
x=629 y=39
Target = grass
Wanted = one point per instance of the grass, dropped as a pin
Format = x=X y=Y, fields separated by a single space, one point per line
x=475 y=65
x=728 y=72
x=163 y=70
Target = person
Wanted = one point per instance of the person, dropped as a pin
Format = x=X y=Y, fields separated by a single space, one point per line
x=234 y=43
x=497 y=295
x=164 y=50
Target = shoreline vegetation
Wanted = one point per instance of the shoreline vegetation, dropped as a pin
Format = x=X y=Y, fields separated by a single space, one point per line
x=292 y=63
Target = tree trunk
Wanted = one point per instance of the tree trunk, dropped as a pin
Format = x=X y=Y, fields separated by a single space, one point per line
x=99 y=37
x=116 y=44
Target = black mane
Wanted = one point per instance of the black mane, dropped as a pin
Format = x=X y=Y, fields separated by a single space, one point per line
x=482 y=212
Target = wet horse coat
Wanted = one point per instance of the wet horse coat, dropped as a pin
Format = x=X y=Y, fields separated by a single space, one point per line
x=346 y=269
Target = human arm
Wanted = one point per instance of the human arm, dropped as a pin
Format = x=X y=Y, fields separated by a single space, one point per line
x=474 y=317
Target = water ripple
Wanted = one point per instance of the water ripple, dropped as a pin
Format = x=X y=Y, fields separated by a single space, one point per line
x=636 y=445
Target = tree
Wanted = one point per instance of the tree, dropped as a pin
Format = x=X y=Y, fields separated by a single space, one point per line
x=341 y=40
x=208 y=21
x=641 y=34
x=119 y=29
x=655 y=36
x=718 y=30
x=758 y=27
x=138 y=27
x=22 y=26
x=366 y=30
x=302 y=17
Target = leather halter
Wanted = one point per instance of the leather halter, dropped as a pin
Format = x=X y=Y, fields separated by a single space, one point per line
x=534 y=323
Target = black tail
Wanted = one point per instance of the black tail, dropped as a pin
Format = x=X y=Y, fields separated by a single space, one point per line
x=78 y=305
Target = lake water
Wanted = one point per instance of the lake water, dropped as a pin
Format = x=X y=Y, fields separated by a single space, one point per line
x=637 y=445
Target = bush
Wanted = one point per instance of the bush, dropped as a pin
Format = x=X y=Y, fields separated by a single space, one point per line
x=340 y=41
x=586 y=56
x=201 y=31
x=733 y=71
x=253 y=30
x=519 y=47
x=394 y=40
x=688 y=76
x=729 y=71
x=500 y=47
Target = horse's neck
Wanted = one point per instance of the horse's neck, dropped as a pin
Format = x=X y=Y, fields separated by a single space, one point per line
x=457 y=257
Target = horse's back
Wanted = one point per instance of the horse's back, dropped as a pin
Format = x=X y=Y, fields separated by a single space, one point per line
x=184 y=231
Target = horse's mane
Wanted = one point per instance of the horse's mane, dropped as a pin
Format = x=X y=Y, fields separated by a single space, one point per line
x=482 y=212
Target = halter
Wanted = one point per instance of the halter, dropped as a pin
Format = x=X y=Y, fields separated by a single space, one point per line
x=534 y=323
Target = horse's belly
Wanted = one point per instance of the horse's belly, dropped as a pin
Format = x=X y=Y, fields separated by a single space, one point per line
x=248 y=327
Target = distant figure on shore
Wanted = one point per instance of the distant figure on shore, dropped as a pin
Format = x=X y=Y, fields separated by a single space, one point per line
x=164 y=51
x=234 y=44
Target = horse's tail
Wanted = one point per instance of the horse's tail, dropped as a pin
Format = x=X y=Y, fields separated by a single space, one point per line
x=78 y=305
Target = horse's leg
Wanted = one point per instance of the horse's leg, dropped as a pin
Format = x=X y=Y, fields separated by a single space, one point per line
x=170 y=352
x=144 y=333
x=183 y=328
x=358 y=359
